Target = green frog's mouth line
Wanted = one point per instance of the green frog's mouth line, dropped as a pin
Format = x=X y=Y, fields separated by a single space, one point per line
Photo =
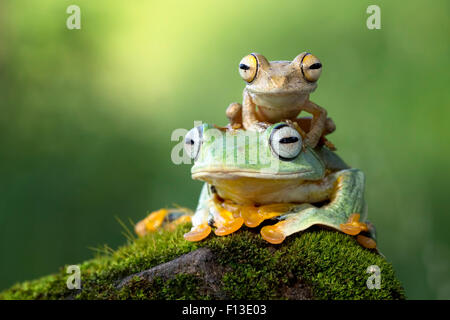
x=230 y=174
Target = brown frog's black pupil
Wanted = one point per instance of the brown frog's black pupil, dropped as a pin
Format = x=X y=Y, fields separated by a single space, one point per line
x=317 y=65
x=244 y=66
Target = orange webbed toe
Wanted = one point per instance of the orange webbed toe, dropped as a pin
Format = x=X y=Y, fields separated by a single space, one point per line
x=198 y=233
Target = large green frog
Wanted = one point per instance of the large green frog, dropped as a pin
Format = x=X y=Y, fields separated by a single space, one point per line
x=272 y=175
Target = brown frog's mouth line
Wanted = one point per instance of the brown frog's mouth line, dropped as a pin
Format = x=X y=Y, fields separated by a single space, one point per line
x=277 y=93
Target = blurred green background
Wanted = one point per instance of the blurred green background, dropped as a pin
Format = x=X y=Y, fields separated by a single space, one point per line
x=86 y=116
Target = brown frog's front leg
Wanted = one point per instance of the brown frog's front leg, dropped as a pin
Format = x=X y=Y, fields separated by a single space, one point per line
x=234 y=115
x=248 y=114
x=250 y=119
x=318 y=123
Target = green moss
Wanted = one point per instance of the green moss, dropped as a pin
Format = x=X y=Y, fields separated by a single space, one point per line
x=330 y=263
x=182 y=286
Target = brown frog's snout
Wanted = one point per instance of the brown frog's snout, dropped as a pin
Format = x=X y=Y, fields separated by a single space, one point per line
x=278 y=81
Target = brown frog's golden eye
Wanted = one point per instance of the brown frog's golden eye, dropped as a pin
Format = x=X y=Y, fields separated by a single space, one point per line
x=311 y=67
x=248 y=67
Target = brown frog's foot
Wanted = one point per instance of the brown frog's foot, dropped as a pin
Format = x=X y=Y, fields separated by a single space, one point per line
x=169 y=218
x=258 y=126
x=273 y=234
x=353 y=225
x=262 y=125
x=234 y=126
x=198 y=233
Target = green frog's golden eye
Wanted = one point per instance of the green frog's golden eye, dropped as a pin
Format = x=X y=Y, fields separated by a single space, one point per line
x=248 y=68
x=311 y=67
x=192 y=142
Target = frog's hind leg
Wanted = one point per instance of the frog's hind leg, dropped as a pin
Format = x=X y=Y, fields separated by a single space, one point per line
x=163 y=218
x=178 y=217
x=347 y=198
x=305 y=125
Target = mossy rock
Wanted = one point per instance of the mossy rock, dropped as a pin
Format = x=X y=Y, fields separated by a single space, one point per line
x=316 y=264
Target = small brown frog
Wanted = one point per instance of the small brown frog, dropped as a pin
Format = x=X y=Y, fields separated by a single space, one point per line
x=278 y=91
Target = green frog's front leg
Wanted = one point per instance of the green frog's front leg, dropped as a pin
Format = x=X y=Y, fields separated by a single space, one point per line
x=210 y=211
x=342 y=212
x=200 y=227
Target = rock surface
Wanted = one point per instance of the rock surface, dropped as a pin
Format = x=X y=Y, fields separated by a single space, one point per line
x=202 y=263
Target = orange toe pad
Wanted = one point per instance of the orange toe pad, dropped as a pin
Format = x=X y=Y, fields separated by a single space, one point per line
x=229 y=227
x=273 y=234
x=150 y=224
x=251 y=216
x=198 y=233
x=353 y=225
x=366 y=242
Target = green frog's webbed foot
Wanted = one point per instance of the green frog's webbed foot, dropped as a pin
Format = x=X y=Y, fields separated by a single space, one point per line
x=353 y=226
x=366 y=241
x=163 y=218
x=364 y=232
x=342 y=213
x=297 y=220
